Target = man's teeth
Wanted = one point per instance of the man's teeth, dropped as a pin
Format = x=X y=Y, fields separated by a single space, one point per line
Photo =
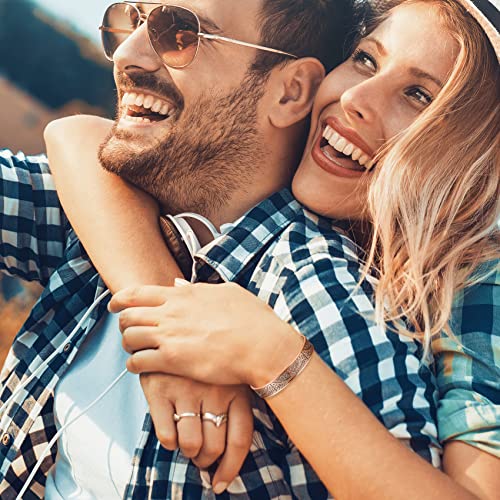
x=147 y=102
x=342 y=145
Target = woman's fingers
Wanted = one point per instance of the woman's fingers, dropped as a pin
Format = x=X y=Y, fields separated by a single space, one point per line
x=139 y=316
x=147 y=356
x=239 y=440
x=139 y=338
x=147 y=361
x=141 y=296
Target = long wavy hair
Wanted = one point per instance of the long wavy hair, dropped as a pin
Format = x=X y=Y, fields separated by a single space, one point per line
x=434 y=201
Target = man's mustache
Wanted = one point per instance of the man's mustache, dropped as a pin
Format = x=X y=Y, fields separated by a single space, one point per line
x=148 y=82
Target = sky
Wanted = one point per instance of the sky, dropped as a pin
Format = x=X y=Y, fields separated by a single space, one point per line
x=84 y=15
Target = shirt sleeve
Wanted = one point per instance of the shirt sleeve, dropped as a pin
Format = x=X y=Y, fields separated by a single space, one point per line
x=323 y=301
x=468 y=369
x=32 y=223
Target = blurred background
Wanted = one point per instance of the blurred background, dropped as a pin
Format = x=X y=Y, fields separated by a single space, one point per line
x=51 y=65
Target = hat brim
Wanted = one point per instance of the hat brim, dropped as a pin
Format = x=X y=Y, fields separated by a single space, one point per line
x=486 y=13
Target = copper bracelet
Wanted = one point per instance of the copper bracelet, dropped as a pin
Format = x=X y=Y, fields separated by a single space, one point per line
x=292 y=371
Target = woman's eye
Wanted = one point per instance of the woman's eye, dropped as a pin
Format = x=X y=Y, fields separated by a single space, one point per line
x=364 y=59
x=420 y=96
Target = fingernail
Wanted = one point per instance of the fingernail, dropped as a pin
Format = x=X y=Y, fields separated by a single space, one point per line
x=181 y=282
x=220 y=488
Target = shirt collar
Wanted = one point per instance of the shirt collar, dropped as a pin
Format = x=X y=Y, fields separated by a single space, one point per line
x=229 y=254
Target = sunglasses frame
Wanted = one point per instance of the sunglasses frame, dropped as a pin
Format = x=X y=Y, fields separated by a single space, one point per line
x=143 y=19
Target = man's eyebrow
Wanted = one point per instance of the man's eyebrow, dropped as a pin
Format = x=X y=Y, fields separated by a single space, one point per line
x=208 y=24
x=204 y=21
x=418 y=73
x=378 y=43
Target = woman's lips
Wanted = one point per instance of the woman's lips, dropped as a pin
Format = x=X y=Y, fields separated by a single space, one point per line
x=331 y=161
x=349 y=134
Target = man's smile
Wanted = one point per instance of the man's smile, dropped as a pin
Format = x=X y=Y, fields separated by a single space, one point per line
x=145 y=109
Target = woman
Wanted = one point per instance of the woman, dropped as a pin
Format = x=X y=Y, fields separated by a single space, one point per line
x=432 y=224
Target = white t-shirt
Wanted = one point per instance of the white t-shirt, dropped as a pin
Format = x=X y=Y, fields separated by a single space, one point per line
x=94 y=460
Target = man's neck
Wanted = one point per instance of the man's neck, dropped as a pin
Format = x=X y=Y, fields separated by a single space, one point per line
x=238 y=205
x=272 y=176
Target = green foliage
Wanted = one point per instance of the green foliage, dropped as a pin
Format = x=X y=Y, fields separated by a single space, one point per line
x=51 y=62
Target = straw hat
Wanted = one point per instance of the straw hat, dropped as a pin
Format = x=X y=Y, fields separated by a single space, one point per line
x=485 y=12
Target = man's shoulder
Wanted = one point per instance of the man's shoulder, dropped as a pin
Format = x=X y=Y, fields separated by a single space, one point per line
x=310 y=239
x=313 y=260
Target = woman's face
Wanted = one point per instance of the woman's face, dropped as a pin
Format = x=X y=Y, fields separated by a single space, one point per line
x=393 y=75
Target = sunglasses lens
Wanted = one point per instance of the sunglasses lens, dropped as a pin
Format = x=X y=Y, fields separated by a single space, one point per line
x=173 y=32
x=119 y=22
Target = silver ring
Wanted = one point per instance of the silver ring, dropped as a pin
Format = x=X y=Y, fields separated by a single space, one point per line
x=188 y=414
x=217 y=420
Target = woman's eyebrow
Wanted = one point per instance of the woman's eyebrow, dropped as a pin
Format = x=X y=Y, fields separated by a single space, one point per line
x=418 y=73
x=378 y=43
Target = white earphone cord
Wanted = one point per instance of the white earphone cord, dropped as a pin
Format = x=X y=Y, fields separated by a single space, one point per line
x=39 y=370
x=54 y=354
x=62 y=429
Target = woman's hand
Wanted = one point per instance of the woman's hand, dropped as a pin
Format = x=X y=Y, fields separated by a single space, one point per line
x=201 y=440
x=218 y=334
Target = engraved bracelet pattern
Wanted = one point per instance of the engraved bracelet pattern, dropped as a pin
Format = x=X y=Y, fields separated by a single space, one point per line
x=282 y=380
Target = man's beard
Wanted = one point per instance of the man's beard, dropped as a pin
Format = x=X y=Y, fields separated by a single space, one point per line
x=209 y=154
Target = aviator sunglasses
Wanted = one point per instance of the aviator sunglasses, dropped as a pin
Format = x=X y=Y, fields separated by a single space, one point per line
x=174 y=32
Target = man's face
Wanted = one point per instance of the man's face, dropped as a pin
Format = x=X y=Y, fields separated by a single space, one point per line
x=188 y=136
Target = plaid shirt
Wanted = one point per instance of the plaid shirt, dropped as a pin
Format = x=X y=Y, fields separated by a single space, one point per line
x=468 y=368
x=306 y=270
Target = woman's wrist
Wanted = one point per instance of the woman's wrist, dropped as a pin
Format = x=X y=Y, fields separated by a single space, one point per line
x=278 y=354
x=288 y=375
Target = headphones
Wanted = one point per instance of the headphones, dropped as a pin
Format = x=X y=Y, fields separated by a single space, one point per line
x=182 y=241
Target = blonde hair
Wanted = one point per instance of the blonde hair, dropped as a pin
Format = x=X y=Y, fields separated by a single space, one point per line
x=434 y=202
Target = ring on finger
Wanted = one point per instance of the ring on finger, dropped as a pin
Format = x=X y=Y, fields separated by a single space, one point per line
x=188 y=414
x=217 y=420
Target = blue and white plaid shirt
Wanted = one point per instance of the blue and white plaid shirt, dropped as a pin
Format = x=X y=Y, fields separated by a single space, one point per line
x=305 y=269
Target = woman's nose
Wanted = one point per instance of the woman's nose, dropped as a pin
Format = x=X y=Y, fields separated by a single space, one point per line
x=362 y=102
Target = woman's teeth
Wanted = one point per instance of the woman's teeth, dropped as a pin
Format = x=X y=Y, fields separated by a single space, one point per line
x=342 y=145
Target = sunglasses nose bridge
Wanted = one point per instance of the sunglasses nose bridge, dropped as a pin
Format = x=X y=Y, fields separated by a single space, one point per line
x=143 y=18
x=136 y=53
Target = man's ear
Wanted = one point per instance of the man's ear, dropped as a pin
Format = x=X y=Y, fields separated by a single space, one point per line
x=296 y=87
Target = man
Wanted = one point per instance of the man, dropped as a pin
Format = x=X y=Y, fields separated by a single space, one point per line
x=223 y=148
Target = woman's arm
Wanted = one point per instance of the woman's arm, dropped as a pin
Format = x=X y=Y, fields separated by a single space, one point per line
x=352 y=453
x=468 y=379
x=474 y=469
x=356 y=457
x=117 y=223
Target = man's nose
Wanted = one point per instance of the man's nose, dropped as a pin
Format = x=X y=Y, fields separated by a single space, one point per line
x=136 y=54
